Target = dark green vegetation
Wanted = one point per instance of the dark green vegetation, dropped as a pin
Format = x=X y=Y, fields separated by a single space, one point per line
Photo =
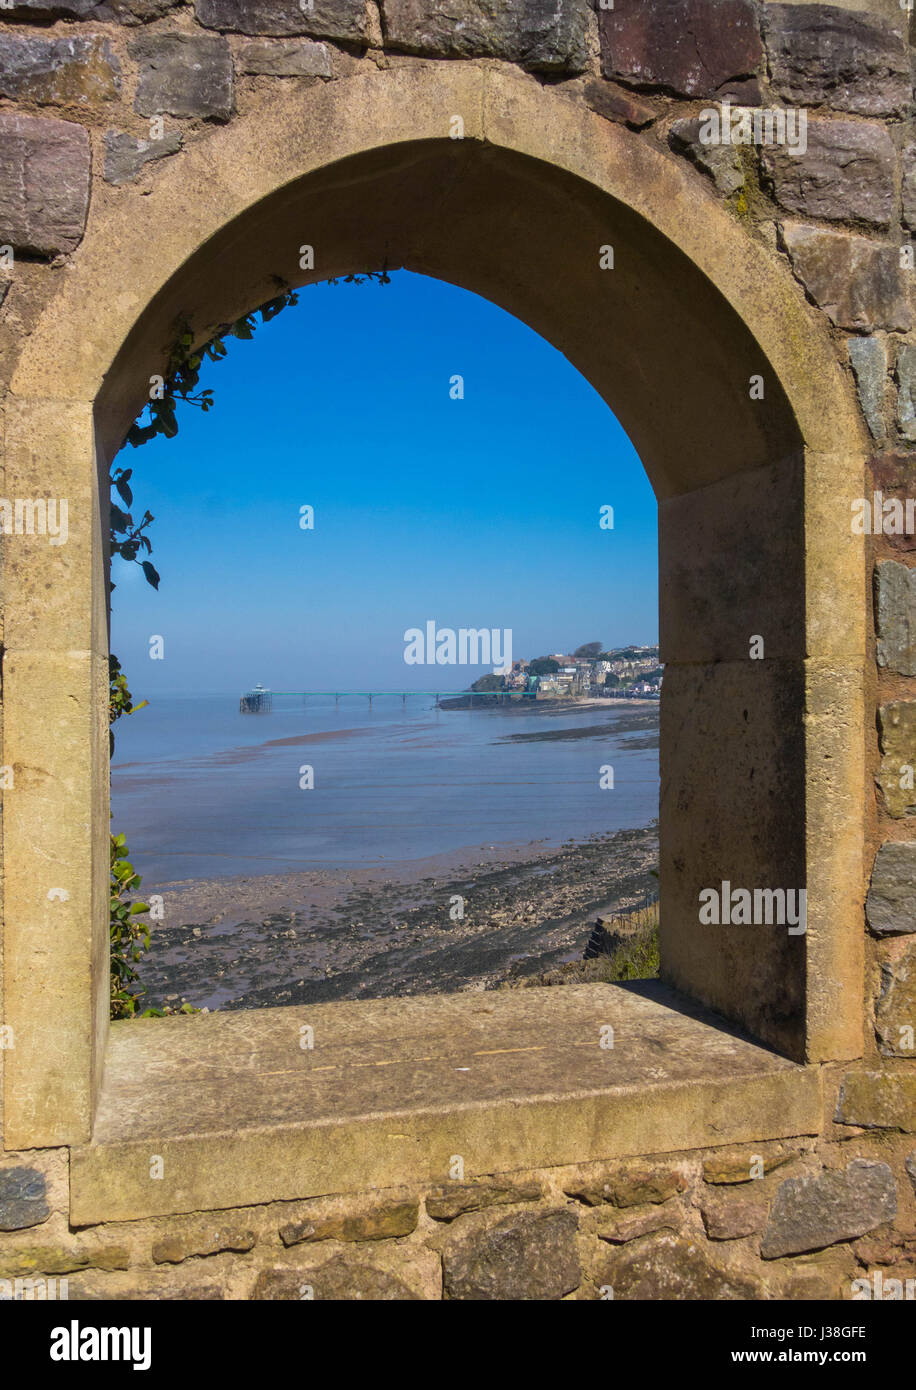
x=129 y=938
x=630 y=952
x=543 y=666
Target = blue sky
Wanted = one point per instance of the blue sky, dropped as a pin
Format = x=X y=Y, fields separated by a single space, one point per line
x=481 y=512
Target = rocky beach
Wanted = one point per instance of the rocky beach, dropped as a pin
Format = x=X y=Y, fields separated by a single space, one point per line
x=473 y=920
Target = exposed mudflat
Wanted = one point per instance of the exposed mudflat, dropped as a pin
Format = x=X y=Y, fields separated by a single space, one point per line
x=309 y=937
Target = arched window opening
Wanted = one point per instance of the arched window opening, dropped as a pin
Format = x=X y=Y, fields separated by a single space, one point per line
x=415 y=541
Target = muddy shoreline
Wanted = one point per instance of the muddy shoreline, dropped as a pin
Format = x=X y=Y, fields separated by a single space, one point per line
x=392 y=930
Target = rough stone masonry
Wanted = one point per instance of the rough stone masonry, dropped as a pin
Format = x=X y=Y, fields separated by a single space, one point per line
x=95 y=100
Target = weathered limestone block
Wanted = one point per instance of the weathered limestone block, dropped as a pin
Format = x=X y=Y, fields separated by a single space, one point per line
x=745 y=1165
x=279 y=58
x=869 y=364
x=811 y=1278
x=890 y=907
x=906 y=392
x=183 y=75
x=324 y=1220
x=896 y=776
x=389 y=1274
x=617 y=104
x=857 y=282
x=23 y=1198
x=326 y=19
x=627 y=1185
x=669 y=1267
x=618 y=1228
x=895 y=1008
x=895 y=616
x=545 y=37
x=878 y=1100
x=846 y=174
x=689 y=47
x=528 y=1255
x=137 y=1286
x=447 y=1203
x=821 y=1209
x=846 y=59
x=335 y=1280
x=721 y=162
x=729 y=1216
x=58 y=72
x=44 y=183
x=59 y=1259
x=126 y=156
x=200 y=1238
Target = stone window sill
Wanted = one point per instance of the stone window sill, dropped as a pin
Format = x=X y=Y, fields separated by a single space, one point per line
x=233 y=1110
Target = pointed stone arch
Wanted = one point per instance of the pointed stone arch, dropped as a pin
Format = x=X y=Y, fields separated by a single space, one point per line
x=762 y=761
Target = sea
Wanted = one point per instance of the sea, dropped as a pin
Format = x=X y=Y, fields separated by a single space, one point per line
x=201 y=790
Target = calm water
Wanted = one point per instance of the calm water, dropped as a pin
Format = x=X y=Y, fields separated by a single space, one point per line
x=202 y=791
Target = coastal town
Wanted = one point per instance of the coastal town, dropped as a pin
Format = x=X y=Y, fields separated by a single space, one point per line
x=587 y=673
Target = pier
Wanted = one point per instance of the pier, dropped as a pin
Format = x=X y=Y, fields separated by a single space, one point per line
x=257 y=701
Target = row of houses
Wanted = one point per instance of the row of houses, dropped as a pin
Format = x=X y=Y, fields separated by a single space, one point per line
x=633 y=671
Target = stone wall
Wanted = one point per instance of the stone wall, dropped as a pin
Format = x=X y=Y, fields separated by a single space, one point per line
x=93 y=99
x=788 y=1220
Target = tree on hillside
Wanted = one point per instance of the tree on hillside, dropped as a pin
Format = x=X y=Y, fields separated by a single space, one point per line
x=489 y=682
x=543 y=666
x=589 y=650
